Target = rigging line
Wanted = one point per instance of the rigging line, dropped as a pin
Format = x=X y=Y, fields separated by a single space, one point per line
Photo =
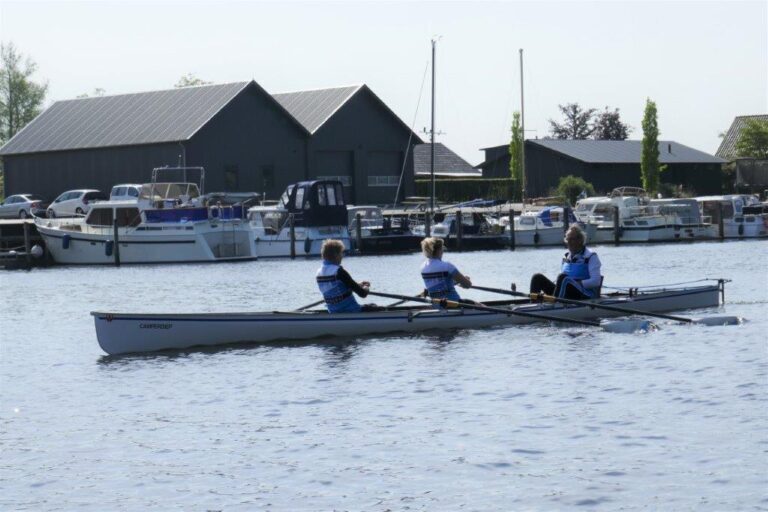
x=410 y=136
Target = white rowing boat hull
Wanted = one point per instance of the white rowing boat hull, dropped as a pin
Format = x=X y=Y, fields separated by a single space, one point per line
x=120 y=333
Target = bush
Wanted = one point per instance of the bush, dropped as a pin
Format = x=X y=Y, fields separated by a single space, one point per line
x=571 y=187
x=459 y=190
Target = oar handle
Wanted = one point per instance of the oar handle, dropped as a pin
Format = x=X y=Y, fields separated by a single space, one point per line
x=538 y=297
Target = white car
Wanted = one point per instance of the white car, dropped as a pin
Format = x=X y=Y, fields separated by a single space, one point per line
x=125 y=192
x=21 y=206
x=74 y=202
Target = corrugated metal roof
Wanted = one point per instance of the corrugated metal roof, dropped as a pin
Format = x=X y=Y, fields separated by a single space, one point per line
x=313 y=108
x=625 y=151
x=122 y=120
x=447 y=163
x=727 y=147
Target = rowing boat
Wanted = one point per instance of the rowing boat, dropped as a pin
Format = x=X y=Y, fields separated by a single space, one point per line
x=123 y=333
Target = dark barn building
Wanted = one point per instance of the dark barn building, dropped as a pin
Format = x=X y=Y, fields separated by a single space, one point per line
x=447 y=163
x=606 y=164
x=245 y=138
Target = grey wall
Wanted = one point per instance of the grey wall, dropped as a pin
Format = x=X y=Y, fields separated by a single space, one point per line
x=50 y=174
x=247 y=138
x=363 y=139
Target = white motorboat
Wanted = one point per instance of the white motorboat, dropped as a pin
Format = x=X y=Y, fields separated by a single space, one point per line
x=167 y=224
x=122 y=333
x=741 y=215
x=539 y=228
x=308 y=213
x=641 y=219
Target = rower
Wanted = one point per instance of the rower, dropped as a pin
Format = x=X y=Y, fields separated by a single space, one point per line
x=439 y=276
x=579 y=277
x=335 y=283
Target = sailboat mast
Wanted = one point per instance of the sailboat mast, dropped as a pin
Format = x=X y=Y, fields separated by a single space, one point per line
x=522 y=128
x=432 y=139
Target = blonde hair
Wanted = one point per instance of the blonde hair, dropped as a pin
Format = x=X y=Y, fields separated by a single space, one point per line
x=578 y=233
x=432 y=246
x=332 y=249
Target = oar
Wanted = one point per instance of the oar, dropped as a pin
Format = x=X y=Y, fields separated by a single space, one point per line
x=713 y=320
x=611 y=327
x=302 y=308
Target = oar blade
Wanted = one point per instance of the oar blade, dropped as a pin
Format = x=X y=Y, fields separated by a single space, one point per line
x=629 y=326
x=719 y=320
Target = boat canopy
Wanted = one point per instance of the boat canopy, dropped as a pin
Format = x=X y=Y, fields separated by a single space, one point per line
x=316 y=203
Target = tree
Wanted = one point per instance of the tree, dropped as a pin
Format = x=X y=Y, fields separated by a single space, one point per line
x=753 y=140
x=516 y=149
x=97 y=92
x=577 y=122
x=649 y=159
x=608 y=126
x=189 y=80
x=571 y=187
x=21 y=99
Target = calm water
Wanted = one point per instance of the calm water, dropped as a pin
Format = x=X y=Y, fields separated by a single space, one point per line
x=519 y=418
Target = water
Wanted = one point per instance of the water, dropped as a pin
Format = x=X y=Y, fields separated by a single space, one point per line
x=518 y=418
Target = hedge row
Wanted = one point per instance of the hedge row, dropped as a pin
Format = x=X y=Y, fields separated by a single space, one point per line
x=458 y=190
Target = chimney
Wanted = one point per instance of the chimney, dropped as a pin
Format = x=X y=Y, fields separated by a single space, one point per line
x=669 y=148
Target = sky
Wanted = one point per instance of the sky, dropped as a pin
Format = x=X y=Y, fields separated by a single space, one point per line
x=703 y=63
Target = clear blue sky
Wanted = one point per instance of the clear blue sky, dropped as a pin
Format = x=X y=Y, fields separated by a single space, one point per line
x=702 y=62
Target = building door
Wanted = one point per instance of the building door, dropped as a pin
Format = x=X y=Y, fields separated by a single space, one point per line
x=337 y=165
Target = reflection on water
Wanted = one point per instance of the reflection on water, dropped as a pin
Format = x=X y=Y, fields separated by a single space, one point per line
x=539 y=417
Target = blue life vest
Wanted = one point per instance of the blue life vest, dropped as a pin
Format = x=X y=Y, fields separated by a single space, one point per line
x=576 y=267
x=438 y=279
x=338 y=297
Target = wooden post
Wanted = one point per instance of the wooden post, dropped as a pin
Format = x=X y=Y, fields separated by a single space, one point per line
x=293 y=236
x=427 y=225
x=720 y=225
x=116 y=248
x=459 y=230
x=511 y=229
x=359 y=233
x=566 y=218
x=616 y=225
x=27 y=244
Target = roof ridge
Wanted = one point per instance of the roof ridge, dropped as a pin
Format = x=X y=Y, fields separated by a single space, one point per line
x=149 y=92
x=357 y=86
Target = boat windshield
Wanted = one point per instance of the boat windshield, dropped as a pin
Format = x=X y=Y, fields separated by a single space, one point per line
x=160 y=191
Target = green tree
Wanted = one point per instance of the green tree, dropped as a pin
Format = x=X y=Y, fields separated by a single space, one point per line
x=516 y=149
x=97 y=93
x=21 y=99
x=189 y=80
x=649 y=159
x=571 y=187
x=753 y=140
x=608 y=126
x=577 y=122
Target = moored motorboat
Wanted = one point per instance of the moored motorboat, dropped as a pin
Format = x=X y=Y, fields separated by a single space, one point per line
x=168 y=223
x=308 y=213
x=122 y=333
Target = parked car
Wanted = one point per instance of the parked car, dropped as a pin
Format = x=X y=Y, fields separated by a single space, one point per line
x=125 y=192
x=75 y=202
x=21 y=206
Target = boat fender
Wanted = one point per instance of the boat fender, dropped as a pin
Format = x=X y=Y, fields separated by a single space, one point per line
x=65 y=242
x=108 y=246
x=307 y=244
x=214 y=211
x=741 y=229
x=536 y=238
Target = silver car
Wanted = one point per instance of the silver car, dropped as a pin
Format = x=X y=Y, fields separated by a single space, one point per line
x=21 y=206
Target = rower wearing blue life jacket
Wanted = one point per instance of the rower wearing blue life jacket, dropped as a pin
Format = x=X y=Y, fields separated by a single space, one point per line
x=579 y=277
x=439 y=276
x=335 y=283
